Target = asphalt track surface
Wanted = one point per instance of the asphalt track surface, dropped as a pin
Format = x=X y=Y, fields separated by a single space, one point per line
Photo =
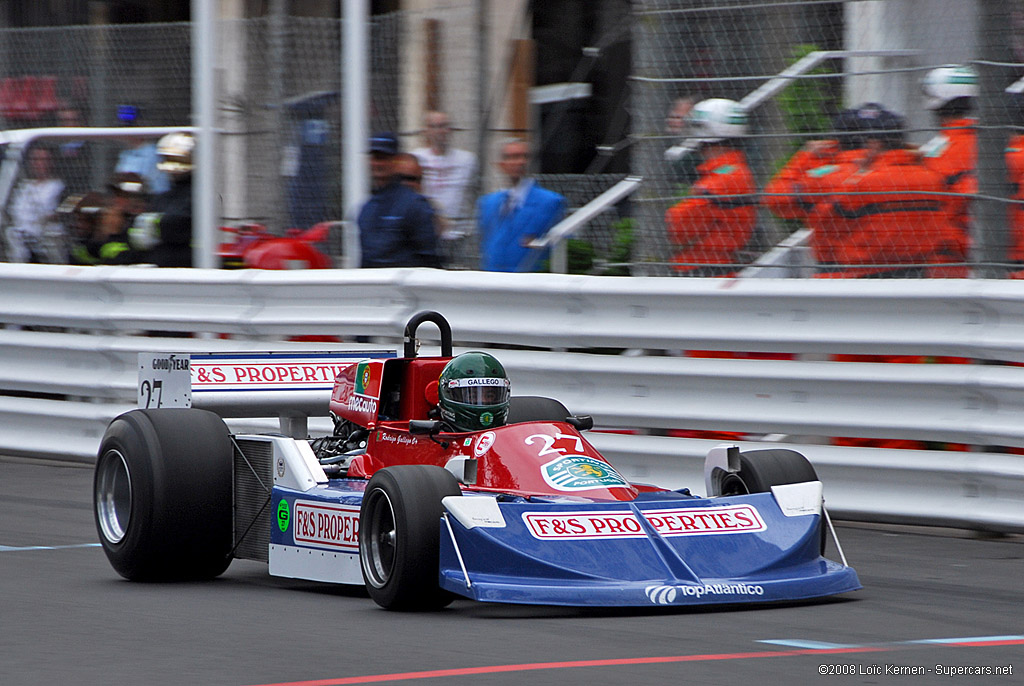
x=931 y=599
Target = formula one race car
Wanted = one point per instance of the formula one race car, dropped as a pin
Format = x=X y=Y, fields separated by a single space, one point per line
x=438 y=483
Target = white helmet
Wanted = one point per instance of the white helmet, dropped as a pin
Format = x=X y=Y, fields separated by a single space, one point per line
x=175 y=152
x=715 y=120
x=944 y=84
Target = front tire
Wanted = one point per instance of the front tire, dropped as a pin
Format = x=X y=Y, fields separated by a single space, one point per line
x=399 y=536
x=162 y=495
x=762 y=469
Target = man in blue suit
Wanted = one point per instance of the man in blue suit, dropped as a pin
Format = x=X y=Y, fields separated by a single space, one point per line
x=511 y=218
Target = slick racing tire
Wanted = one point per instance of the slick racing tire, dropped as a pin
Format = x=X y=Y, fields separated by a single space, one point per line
x=162 y=495
x=762 y=469
x=399 y=536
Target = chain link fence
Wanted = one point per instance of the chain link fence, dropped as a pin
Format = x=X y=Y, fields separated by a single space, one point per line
x=941 y=204
x=792 y=66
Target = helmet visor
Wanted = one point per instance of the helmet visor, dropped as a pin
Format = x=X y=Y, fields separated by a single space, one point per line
x=486 y=391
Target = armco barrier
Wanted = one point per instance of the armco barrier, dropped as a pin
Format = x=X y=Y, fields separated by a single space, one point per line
x=68 y=363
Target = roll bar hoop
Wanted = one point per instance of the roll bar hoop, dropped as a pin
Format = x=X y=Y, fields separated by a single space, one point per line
x=442 y=326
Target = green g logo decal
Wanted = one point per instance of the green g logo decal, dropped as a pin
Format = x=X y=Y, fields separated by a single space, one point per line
x=283 y=515
x=486 y=418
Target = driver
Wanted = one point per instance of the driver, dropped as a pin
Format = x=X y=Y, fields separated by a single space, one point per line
x=473 y=392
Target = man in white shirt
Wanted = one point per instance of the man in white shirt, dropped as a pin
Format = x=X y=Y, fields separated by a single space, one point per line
x=447 y=174
x=34 y=234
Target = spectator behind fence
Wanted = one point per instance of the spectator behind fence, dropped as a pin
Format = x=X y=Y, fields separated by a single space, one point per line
x=447 y=173
x=888 y=218
x=396 y=225
x=98 y=223
x=410 y=172
x=675 y=120
x=163 y=236
x=682 y=164
x=817 y=170
x=73 y=157
x=950 y=92
x=128 y=198
x=34 y=233
x=510 y=219
x=81 y=214
x=717 y=219
x=142 y=156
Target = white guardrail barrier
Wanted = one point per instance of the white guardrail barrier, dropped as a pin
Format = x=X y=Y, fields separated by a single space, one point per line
x=69 y=362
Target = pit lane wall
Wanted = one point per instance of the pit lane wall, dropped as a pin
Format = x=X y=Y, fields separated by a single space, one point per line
x=604 y=346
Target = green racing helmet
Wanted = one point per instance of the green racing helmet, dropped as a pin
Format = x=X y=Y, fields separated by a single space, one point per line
x=473 y=392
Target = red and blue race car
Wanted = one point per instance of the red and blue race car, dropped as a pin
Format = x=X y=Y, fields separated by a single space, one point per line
x=420 y=512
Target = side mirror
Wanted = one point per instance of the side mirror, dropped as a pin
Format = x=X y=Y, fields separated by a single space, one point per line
x=424 y=427
x=583 y=422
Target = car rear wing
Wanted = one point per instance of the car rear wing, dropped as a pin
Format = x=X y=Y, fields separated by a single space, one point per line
x=292 y=386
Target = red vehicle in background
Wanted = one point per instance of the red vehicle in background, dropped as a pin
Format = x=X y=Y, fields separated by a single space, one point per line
x=255 y=247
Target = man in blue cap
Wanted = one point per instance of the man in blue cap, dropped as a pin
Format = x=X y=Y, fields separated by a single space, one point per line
x=396 y=225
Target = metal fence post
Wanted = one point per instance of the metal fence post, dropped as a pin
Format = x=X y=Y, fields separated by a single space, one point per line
x=354 y=67
x=204 y=192
x=991 y=222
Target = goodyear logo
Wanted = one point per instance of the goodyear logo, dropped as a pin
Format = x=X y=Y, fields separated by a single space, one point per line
x=580 y=473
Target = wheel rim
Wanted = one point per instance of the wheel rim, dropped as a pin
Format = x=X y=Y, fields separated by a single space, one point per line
x=377 y=541
x=733 y=484
x=113 y=496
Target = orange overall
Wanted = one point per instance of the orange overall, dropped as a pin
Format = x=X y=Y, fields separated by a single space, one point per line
x=718 y=218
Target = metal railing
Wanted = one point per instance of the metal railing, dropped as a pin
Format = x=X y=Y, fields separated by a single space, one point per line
x=605 y=346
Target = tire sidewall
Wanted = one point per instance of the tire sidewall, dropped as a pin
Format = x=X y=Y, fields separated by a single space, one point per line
x=132 y=436
x=179 y=465
x=415 y=493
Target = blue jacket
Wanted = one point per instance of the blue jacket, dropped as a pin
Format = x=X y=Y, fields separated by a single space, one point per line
x=502 y=236
x=396 y=229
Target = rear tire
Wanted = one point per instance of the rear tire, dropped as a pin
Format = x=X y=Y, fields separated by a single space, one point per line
x=162 y=495
x=399 y=536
